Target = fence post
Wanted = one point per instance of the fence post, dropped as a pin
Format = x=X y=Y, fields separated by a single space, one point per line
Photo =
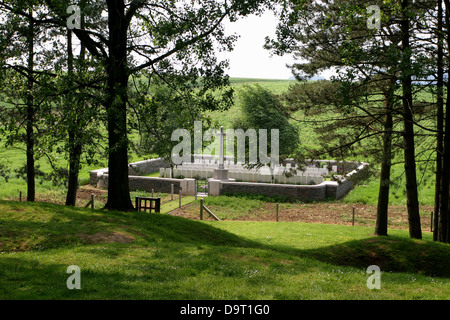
x=171 y=191
x=158 y=205
x=180 y=198
x=195 y=189
x=20 y=196
x=431 y=224
x=137 y=203
x=278 y=211
x=92 y=201
x=201 y=209
x=353 y=217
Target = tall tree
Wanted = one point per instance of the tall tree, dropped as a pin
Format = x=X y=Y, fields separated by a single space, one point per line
x=415 y=230
x=30 y=111
x=367 y=66
x=261 y=109
x=444 y=212
x=21 y=68
x=439 y=118
x=337 y=34
x=381 y=227
x=155 y=32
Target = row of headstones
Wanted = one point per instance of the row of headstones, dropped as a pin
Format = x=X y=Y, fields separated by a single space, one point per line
x=213 y=162
x=278 y=178
x=312 y=172
x=242 y=176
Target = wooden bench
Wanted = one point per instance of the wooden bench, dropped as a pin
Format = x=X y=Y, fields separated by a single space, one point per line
x=144 y=204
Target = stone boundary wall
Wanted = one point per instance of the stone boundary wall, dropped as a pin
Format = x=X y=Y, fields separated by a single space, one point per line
x=326 y=190
x=163 y=185
x=323 y=191
x=346 y=183
x=293 y=192
x=134 y=169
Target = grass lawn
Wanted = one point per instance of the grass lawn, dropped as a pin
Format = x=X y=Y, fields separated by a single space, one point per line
x=159 y=256
x=163 y=256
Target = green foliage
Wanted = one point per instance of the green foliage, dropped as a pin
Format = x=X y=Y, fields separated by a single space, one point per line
x=160 y=109
x=261 y=109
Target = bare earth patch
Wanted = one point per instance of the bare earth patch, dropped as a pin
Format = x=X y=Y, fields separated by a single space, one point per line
x=328 y=213
x=104 y=237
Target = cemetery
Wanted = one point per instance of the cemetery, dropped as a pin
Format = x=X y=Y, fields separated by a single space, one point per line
x=321 y=180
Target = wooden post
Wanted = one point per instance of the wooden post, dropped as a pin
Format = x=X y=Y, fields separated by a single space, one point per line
x=171 y=191
x=201 y=209
x=20 y=196
x=92 y=201
x=278 y=211
x=211 y=214
x=353 y=217
x=137 y=203
x=195 y=190
x=153 y=193
x=431 y=224
x=180 y=198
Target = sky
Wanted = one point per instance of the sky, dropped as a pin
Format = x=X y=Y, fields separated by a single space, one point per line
x=249 y=59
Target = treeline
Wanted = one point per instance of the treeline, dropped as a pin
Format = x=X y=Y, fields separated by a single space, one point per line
x=390 y=88
x=75 y=75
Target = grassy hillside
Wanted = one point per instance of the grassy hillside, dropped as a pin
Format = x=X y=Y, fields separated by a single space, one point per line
x=156 y=256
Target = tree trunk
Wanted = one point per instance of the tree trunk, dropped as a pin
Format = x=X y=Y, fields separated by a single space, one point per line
x=439 y=122
x=74 y=169
x=31 y=172
x=117 y=86
x=381 y=227
x=408 y=134
x=74 y=143
x=443 y=235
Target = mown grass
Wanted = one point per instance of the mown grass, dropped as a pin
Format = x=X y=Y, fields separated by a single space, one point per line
x=158 y=256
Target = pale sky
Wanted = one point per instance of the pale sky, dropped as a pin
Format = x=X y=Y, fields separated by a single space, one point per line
x=249 y=59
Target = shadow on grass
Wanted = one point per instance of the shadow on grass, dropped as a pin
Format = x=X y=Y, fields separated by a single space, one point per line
x=391 y=254
x=56 y=226
x=32 y=226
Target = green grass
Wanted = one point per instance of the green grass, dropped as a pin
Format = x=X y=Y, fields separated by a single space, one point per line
x=172 y=205
x=158 y=256
x=367 y=192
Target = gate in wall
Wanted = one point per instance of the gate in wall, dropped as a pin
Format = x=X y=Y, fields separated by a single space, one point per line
x=202 y=187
